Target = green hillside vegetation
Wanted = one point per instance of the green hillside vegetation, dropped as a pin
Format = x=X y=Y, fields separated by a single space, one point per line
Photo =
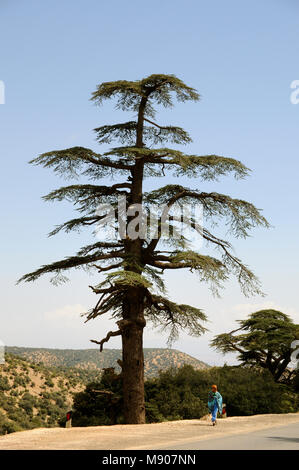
x=92 y=359
x=37 y=386
x=182 y=394
x=33 y=395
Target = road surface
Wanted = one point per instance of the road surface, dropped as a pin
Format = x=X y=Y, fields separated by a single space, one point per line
x=276 y=431
x=277 y=438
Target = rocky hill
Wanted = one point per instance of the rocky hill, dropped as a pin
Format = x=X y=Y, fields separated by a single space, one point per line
x=33 y=395
x=92 y=359
x=37 y=385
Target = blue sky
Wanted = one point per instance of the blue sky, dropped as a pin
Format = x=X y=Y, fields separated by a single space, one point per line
x=242 y=58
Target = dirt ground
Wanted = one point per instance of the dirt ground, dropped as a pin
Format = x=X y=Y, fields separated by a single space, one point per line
x=146 y=436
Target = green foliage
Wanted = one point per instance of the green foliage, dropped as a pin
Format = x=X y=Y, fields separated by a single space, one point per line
x=245 y=391
x=4 y=384
x=27 y=403
x=49 y=383
x=7 y=426
x=23 y=408
x=157 y=88
x=183 y=393
x=100 y=403
x=295 y=382
x=175 y=317
x=126 y=133
x=140 y=265
x=21 y=380
x=264 y=340
x=152 y=412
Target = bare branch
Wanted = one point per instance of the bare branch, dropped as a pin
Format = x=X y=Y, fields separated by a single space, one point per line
x=155 y=124
x=106 y=268
x=106 y=339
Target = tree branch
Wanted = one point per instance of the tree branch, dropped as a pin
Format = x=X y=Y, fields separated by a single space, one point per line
x=154 y=124
x=106 y=339
x=106 y=268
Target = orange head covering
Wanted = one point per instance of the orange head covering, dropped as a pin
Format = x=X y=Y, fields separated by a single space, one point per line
x=214 y=387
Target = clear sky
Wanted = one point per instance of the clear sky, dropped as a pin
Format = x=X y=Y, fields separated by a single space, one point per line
x=242 y=58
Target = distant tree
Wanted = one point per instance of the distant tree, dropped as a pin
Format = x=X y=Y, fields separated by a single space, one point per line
x=264 y=340
x=134 y=292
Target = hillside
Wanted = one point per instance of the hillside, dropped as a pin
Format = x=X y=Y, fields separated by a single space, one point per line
x=92 y=359
x=37 y=385
x=33 y=395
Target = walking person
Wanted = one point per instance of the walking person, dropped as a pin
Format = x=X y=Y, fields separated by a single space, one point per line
x=214 y=403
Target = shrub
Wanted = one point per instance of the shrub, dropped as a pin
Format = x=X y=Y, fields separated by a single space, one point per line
x=4 y=384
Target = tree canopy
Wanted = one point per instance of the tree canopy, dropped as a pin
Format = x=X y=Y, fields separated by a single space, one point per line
x=264 y=339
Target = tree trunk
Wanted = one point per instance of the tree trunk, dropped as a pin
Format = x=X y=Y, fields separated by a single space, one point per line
x=133 y=360
x=133 y=306
x=133 y=375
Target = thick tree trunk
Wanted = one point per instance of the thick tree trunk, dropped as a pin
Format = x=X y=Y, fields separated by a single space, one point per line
x=132 y=358
x=133 y=375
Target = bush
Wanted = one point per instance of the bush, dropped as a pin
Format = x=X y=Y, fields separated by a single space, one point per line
x=7 y=427
x=92 y=408
x=49 y=383
x=27 y=403
x=152 y=412
x=20 y=381
x=4 y=384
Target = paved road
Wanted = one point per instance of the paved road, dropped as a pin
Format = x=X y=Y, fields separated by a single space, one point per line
x=276 y=438
x=274 y=431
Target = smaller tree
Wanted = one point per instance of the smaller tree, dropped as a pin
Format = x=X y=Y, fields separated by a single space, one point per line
x=101 y=403
x=263 y=340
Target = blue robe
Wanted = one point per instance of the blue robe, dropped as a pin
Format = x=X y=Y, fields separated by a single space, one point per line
x=215 y=404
